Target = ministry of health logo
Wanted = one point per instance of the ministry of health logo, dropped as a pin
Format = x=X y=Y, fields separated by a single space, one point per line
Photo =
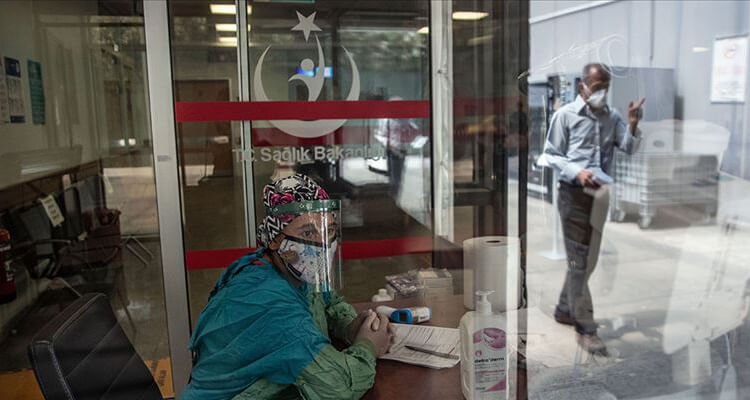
x=313 y=77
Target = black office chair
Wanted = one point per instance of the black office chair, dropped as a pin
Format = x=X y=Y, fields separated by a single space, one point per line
x=92 y=200
x=73 y=226
x=91 y=193
x=83 y=353
x=35 y=228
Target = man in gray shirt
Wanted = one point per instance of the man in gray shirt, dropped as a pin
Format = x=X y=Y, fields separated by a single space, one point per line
x=581 y=146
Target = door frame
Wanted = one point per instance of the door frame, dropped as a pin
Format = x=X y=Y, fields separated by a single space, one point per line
x=167 y=168
x=168 y=189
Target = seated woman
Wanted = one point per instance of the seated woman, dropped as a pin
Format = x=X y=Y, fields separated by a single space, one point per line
x=265 y=332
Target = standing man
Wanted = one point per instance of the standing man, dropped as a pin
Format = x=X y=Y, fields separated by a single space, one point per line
x=581 y=146
x=398 y=135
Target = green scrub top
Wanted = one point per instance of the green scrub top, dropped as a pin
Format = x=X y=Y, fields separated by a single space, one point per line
x=260 y=337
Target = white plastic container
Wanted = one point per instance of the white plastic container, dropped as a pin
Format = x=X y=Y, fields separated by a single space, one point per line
x=484 y=369
x=382 y=295
x=493 y=263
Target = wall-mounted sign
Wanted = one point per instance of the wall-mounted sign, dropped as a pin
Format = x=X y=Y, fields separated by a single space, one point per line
x=4 y=110
x=312 y=74
x=36 y=92
x=729 y=70
x=15 y=90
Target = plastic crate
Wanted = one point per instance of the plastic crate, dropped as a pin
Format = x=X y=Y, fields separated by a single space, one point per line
x=645 y=182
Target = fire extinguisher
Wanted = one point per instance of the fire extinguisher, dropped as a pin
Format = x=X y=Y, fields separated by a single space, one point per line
x=7 y=278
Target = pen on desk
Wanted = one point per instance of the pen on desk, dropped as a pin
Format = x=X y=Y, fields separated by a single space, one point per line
x=432 y=352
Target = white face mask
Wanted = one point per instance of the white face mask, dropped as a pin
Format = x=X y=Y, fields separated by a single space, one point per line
x=313 y=262
x=598 y=99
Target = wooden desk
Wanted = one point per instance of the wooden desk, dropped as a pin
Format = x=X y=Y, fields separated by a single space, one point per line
x=396 y=380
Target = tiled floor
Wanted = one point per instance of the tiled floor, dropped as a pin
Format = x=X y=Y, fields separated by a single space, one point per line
x=653 y=290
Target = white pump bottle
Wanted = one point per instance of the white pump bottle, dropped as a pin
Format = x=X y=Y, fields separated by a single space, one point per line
x=483 y=352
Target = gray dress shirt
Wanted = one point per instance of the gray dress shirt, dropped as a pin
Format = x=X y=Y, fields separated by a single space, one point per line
x=580 y=139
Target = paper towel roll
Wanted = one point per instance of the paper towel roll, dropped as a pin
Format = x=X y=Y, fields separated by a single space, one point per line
x=493 y=263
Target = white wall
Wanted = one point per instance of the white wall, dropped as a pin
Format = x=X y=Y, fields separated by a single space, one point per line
x=642 y=33
x=43 y=32
x=16 y=41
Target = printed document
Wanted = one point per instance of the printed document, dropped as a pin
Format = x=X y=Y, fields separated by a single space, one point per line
x=429 y=338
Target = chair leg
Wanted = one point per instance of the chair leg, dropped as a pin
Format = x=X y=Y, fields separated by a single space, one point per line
x=127 y=244
x=124 y=303
x=136 y=254
x=67 y=285
x=143 y=247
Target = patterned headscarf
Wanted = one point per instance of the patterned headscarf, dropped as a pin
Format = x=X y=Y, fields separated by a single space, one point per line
x=291 y=189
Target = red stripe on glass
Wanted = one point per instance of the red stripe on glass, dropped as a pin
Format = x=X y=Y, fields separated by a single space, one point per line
x=298 y=110
x=210 y=259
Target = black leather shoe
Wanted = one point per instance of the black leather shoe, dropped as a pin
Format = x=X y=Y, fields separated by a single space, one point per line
x=592 y=344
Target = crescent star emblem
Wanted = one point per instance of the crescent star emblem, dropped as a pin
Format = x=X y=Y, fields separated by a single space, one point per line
x=308 y=129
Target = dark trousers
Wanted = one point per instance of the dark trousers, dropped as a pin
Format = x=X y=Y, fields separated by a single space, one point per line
x=395 y=172
x=582 y=235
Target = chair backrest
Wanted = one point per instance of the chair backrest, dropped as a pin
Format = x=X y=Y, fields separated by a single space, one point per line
x=38 y=226
x=90 y=193
x=73 y=225
x=83 y=353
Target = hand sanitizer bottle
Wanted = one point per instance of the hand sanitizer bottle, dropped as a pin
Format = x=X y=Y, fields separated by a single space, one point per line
x=483 y=352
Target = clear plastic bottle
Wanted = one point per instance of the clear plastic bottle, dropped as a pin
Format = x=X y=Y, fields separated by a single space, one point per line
x=483 y=352
x=381 y=295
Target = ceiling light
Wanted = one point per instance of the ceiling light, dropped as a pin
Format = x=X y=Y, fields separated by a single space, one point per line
x=228 y=40
x=226 y=27
x=424 y=30
x=227 y=9
x=475 y=41
x=222 y=9
x=469 y=15
x=700 y=49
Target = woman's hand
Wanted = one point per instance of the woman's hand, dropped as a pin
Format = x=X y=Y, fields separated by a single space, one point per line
x=353 y=327
x=380 y=334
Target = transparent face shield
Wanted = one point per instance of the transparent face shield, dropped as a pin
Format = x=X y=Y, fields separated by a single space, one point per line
x=310 y=246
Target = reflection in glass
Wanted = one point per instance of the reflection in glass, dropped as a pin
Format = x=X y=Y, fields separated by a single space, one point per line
x=76 y=179
x=670 y=288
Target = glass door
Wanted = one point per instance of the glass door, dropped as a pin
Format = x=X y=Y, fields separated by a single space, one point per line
x=307 y=60
x=361 y=71
x=77 y=183
x=349 y=94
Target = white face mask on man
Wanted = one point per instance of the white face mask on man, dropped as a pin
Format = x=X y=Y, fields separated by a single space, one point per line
x=597 y=99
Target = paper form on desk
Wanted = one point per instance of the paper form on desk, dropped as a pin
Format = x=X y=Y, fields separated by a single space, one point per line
x=434 y=338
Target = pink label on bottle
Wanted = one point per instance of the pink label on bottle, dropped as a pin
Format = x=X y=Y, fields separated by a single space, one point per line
x=489 y=360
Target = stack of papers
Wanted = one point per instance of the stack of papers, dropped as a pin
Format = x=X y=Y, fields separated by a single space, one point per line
x=437 y=347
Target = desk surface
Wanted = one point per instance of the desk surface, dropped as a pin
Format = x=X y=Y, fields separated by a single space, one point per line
x=395 y=380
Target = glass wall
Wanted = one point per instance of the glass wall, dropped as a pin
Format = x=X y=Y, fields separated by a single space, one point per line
x=434 y=110
x=369 y=53
x=77 y=189
x=586 y=162
x=205 y=69
x=669 y=288
x=380 y=168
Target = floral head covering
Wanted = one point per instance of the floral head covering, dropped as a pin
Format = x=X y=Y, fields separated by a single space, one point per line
x=291 y=189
